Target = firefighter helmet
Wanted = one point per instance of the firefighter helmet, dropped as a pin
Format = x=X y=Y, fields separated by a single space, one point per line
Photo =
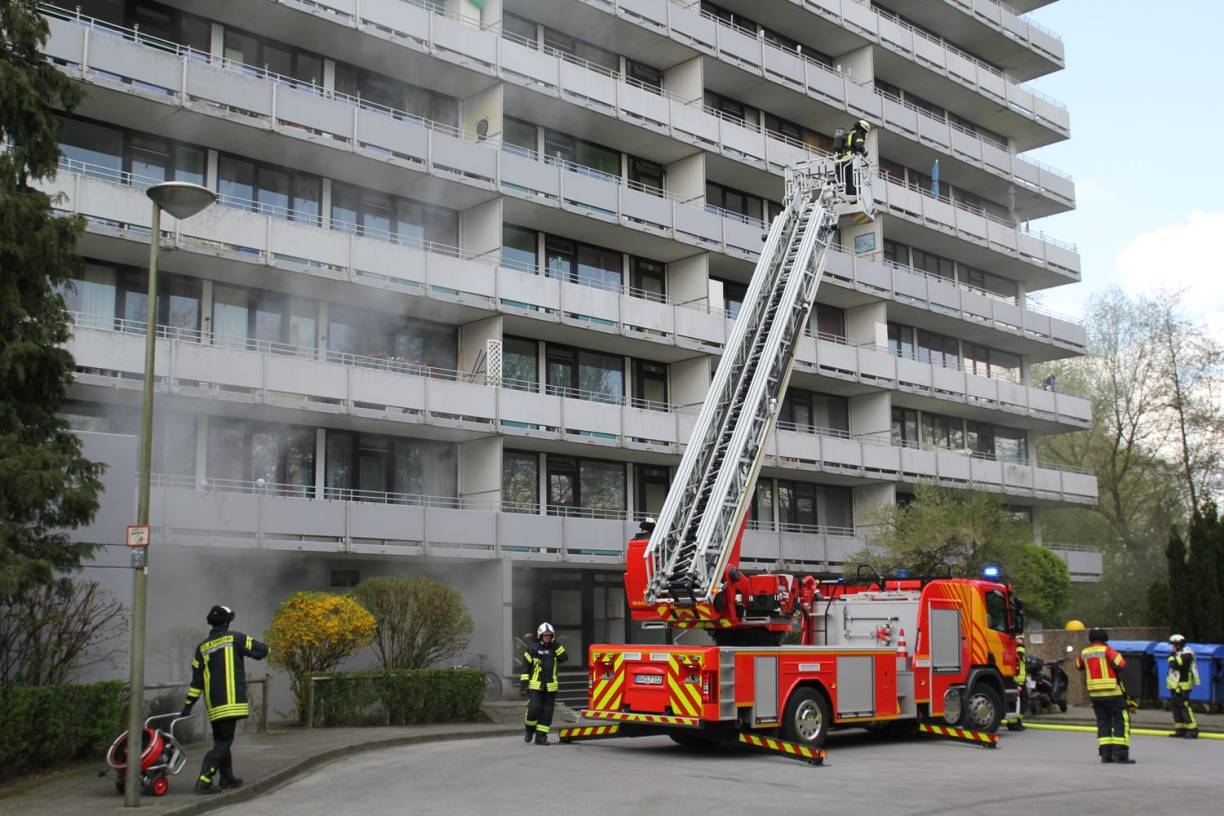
x=220 y=614
x=1097 y=635
x=545 y=628
x=1177 y=641
x=864 y=124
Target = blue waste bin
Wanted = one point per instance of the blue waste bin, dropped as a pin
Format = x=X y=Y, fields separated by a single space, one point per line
x=1139 y=676
x=1209 y=657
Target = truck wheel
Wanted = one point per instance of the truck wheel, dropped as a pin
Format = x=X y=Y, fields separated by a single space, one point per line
x=983 y=710
x=807 y=718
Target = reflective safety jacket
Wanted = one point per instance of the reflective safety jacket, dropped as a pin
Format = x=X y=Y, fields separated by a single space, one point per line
x=1100 y=665
x=218 y=673
x=540 y=661
x=1021 y=668
x=1183 y=672
x=856 y=143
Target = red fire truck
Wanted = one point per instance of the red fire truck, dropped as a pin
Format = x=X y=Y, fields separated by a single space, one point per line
x=852 y=666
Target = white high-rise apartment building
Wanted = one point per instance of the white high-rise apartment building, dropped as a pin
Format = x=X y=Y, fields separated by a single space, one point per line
x=473 y=264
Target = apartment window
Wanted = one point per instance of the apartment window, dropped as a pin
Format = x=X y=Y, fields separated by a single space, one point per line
x=585 y=374
x=644 y=75
x=994 y=284
x=92 y=144
x=583 y=263
x=380 y=334
x=586 y=484
x=367 y=212
x=244 y=451
x=736 y=201
x=763 y=504
x=520 y=27
x=92 y=293
x=943 y=432
x=892 y=171
x=520 y=482
x=519 y=248
x=651 y=483
x=520 y=364
x=236 y=182
x=734 y=110
x=937 y=349
x=829 y=321
x=649 y=279
x=733 y=296
x=650 y=384
x=375 y=465
x=900 y=340
x=988 y=362
x=904 y=427
x=808 y=411
x=934 y=264
x=566 y=148
x=979 y=438
x=646 y=175
x=519 y=134
x=1011 y=445
x=557 y=42
x=797 y=503
x=896 y=252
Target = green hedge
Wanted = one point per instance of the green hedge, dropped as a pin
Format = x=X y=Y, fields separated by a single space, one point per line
x=47 y=725
x=399 y=697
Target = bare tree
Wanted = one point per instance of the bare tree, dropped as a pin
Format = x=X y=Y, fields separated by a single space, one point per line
x=1191 y=374
x=50 y=631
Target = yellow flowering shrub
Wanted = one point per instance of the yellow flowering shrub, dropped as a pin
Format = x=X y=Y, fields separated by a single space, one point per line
x=312 y=632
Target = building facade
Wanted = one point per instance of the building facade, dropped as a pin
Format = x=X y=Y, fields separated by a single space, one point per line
x=473 y=263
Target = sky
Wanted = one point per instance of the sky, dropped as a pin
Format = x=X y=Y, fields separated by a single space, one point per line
x=1145 y=90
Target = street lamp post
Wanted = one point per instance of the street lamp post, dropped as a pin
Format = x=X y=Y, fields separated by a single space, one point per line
x=182 y=200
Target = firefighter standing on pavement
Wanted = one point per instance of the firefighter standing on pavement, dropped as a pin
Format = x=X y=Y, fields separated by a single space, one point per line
x=1021 y=682
x=217 y=673
x=1101 y=665
x=539 y=679
x=1182 y=677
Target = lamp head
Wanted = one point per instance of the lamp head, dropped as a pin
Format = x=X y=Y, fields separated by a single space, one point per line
x=182 y=199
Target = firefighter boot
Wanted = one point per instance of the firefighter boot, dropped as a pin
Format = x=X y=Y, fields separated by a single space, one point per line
x=205 y=785
x=529 y=733
x=1177 y=733
x=1121 y=755
x=230 y=782
x=1192 y=733
x=541 y=738
x=1106 y=752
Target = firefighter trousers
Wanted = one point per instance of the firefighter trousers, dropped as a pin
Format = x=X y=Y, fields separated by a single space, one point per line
x=219 y=758
x=1183 y=714
x=1113 y=723
x=540 y=710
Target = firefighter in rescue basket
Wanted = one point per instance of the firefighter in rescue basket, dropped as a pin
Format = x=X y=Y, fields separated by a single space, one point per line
x=538 y=679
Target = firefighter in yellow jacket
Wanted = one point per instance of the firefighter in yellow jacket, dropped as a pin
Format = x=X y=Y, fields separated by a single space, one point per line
x=217 y=673
x=538 y=678
x=1182 y=677
x=1101 y=665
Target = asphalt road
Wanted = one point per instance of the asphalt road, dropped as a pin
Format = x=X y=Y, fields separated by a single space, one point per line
x=1036 y=771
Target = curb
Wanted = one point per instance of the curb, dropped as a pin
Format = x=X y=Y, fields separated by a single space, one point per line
x=300 y=768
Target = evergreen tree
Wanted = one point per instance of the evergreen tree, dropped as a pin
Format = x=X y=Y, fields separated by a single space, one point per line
x=1178 y=605
x=46 y=486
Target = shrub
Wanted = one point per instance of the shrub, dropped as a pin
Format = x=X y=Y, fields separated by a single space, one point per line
x=399 y=697
x=312 y=632
x=47 y=725
x=421 y=621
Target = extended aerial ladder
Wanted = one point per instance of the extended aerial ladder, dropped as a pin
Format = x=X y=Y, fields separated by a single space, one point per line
x=687 y=574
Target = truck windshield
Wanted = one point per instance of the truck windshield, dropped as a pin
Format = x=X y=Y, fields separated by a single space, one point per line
x=996 y=611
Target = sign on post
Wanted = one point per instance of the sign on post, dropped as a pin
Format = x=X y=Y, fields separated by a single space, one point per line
x=138 y=535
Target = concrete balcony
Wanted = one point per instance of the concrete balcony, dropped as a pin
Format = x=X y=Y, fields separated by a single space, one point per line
x=984 y=94
x=384 y=23
x=873 y=458
x=940 y=225
x=1023 y=48
x=1084 y=564
x=117 y=216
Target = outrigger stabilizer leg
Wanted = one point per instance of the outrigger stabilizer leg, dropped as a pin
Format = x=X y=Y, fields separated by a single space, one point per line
x=982 y=738
x=790 y=750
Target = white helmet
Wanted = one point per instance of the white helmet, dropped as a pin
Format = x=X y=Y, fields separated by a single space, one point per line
x=545 y=628
x=1177 y=641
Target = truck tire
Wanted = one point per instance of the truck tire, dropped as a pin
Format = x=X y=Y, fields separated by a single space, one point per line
x=807 y=718
x=983 y=709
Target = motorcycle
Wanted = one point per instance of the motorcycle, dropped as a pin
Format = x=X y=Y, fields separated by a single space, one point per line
x=1047 y=684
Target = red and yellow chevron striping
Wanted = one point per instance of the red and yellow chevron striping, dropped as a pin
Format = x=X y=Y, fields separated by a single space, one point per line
x=650 y=719
x=588 y=732
x=790 y=749
x=608 y=691
x=975 y=737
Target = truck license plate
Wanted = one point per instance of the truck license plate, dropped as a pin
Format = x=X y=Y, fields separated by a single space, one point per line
x=648 y=679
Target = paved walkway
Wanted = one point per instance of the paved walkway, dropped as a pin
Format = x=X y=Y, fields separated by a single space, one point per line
x=265 y=761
